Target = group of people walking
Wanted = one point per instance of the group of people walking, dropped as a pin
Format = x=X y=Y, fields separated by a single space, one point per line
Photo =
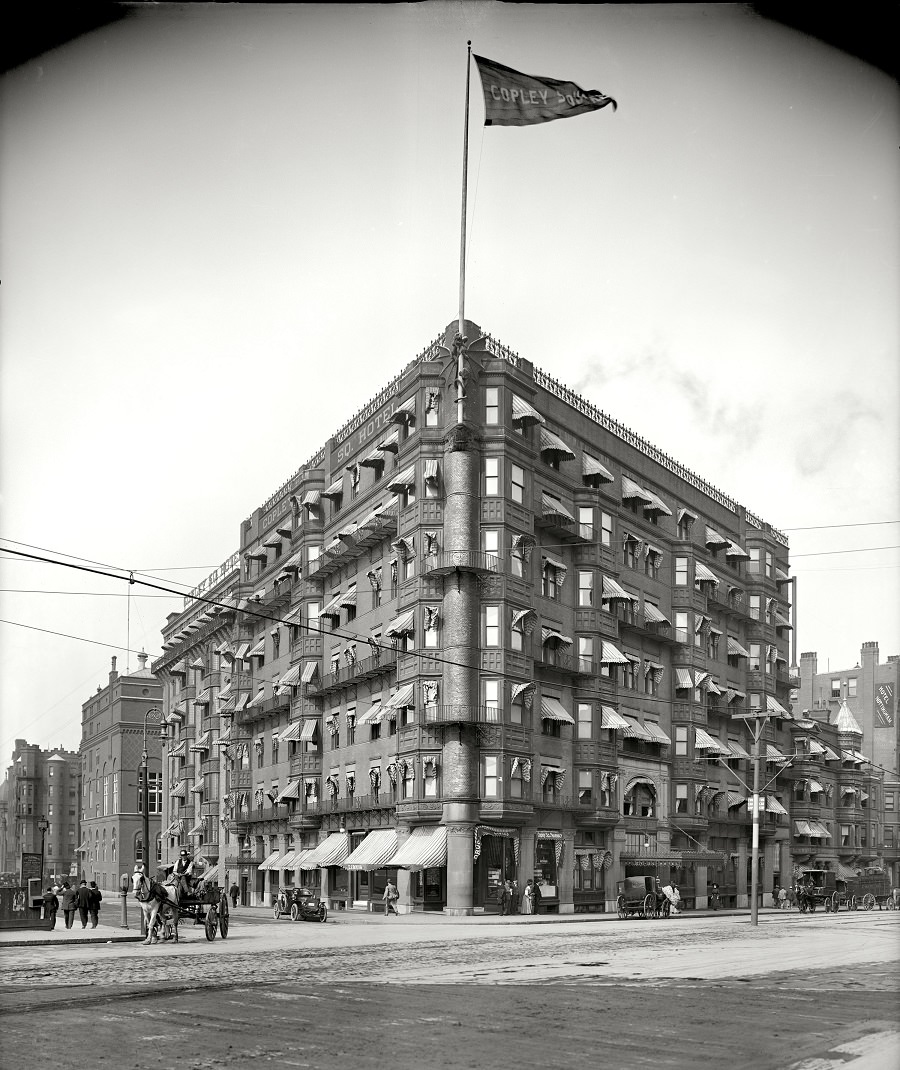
x=85 y=900
x=511 y=901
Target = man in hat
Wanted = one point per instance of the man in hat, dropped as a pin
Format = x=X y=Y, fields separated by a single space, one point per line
x=184 y=867
x=96 y=897
x=83 y=899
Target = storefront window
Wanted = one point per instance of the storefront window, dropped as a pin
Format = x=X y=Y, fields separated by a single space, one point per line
x=545 y=866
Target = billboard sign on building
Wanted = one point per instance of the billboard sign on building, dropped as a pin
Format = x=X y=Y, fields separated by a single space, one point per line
x=884 y=706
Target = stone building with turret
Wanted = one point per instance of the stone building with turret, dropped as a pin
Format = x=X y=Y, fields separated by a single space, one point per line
x=485 y=633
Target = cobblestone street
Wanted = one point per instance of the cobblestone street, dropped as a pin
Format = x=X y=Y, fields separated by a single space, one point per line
x=367 y=989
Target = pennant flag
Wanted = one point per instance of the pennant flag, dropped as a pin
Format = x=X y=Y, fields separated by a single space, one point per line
x=515 y=99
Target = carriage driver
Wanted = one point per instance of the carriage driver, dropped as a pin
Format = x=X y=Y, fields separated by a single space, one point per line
x=183 y=870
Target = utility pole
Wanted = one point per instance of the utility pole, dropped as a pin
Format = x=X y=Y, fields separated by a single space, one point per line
x=145 y=799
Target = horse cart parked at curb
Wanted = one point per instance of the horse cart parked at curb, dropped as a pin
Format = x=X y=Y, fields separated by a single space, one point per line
x=636 y=897
x=823 y=887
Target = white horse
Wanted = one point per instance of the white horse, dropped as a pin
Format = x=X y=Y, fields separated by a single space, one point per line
x=155 y=898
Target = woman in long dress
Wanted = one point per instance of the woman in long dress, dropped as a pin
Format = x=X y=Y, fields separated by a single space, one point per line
x=528 y=897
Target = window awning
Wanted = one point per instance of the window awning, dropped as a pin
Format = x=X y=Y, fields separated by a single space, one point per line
x=773 y=754
x=521 y=691
x=733 y=695
x=269 y=861
x=782 y=622
x=652 y=613
x=259 y=553
x=375 y=851
x=656 y=505
x=736 y=749
x=815 y=787
x=551 y=443
x=391 y=444
x=405 y=624
x=611 y=719
x=290 y=734
x=659 y=736
x=773 y=806
x=292 y=791
x=310 y=671
x=735 y=799
x=635 y=730
x=330 y=852
x=735 y=649
x=801 y=828
x=592 y=469
x=683 y=679
x=553 y=710
x=560 y=566
x=405 y=411
x=551 y=633
x=830 y=755
x=332 y=607
x=553 y=507
x=291 y=678
x=374 y=714
x=686 y=514
x=630 y=490
x=774 y=706
x=308 y=732
x=258 y=698
x=815 y=747
x=432 y=472
x=704 y=741
x=311 y=498
x=405 y=479
x=375 y=459
x=818 y=829
x=178 y=750
x=713 y=538
x=712 y=687
x=286 y=861
x=523 y=413
x=348 y=600
x=201 y=744
x=781 y=576
x=611 y=655
x=404 y=696
x=180 y=790
x=424 y=848
x=336 y=490
x=733 y=550
x=524 y=620
x=614 y=592
x=704 y=575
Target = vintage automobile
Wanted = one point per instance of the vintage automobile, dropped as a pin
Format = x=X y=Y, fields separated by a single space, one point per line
x=300 y=904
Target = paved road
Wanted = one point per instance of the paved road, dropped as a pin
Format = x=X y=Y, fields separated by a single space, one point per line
x=453 y=993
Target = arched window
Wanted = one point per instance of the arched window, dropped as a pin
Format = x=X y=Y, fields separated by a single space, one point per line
x=639 y=799
x=103 y=847
x=105 y=794
x=115 y=789
x=112 y=842
x=138 y=848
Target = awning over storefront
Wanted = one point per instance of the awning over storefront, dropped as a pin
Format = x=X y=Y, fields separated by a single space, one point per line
x=375 y=851
x=269 y=861
x=286 y=861
x=523 y=413
x=330 y=852
x=845 y=873
x=553 y=710
x=424 y=848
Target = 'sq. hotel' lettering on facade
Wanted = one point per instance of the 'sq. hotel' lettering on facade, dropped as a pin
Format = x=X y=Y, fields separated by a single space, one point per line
x=368 y=423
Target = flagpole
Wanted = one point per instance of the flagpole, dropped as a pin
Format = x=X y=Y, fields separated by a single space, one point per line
x=465 y=175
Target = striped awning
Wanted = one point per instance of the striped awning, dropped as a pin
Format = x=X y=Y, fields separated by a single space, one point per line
x=311 y=498
x=735 y=649
x=424 y=848
x=553 y=710
x=403 y=696
x=815 y=787
x=332 y=607
x=375 y=851
x=830 y=755
x=348 y=600
x=405 y=624
x=432 y=471
x=180 y=790
x=652 y=613
x=611 y=655
x=391 y=444
x=845 y=873
x=712 y=687
x=292 y=791
x=732 y=694
x=179 y=750
x=704 y=741
x=611 y=719
x=336 y=489
x=258 y=698
x=551 y=443
x=659 y=736
x=613 y=592
x=592 y=469
x=818 y=829
x=656 y=505
x=308 y=731
x=524 y=620
x=774 y=706
x=405 y=479
x=630 y=489
x=553 y=507
x=405 y=411
x=635 y=730
x=374 y=714
x=551 y=633
x=291 y=678
x=782 y=622
x=737 y=750
x=561 y=567
x=735 y=799
x=287 y=860
x=683 y=679
x=375 y=459
x=704 y=575
x=523 y=413
x=781 y=576
x=290 y=734
x=773 y=754
x=521 y=691
x=801 y=828
x=310 y=671
x=733 y=550
x=330 y=852
x=269 y=862
x=773 y=806
x=201 y=744
x=713 y=538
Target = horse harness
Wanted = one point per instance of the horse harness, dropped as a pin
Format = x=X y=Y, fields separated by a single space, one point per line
x=151 y=889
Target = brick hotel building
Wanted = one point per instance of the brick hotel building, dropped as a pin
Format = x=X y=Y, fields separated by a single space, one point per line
x=483 y=639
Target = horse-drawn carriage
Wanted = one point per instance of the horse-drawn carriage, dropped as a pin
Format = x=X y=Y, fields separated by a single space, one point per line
x=164 y=906
x=636 y=897
x=823 y=887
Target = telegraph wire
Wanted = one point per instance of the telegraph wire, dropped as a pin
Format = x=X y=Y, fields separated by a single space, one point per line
x=66 y=635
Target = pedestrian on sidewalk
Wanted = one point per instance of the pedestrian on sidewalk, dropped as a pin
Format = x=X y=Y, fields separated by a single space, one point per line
x=96 y=897
x=83 y=901
x=528 y=897
x=538 y=896
x=391 y=895
x=783 y=899
x=69 y=903
x=514 y=897
x=503 y=898
x=51 y=906
x=234 y=892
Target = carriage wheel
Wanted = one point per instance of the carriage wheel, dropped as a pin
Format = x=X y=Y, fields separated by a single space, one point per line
x=223 y=916
x=649 y=907
x=889 y=902
x=276 y=910
x=295 y=911
x=868 y=901
x=853 y=904
x=829 y=906
x=212 y=922
x=323 y=912
x=835 y=902
x=620 y=906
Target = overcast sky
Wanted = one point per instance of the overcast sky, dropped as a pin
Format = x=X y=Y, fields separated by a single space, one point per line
x=226 y=227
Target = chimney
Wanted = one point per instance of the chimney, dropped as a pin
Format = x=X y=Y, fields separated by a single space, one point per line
x=870 y=653
x=142 y=658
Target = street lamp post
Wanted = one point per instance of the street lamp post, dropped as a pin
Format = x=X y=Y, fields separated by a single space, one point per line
x=43 y=826
x=145 y=797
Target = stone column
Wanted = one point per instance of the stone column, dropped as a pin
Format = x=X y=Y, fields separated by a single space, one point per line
x=460 y=859
x=565 y=875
